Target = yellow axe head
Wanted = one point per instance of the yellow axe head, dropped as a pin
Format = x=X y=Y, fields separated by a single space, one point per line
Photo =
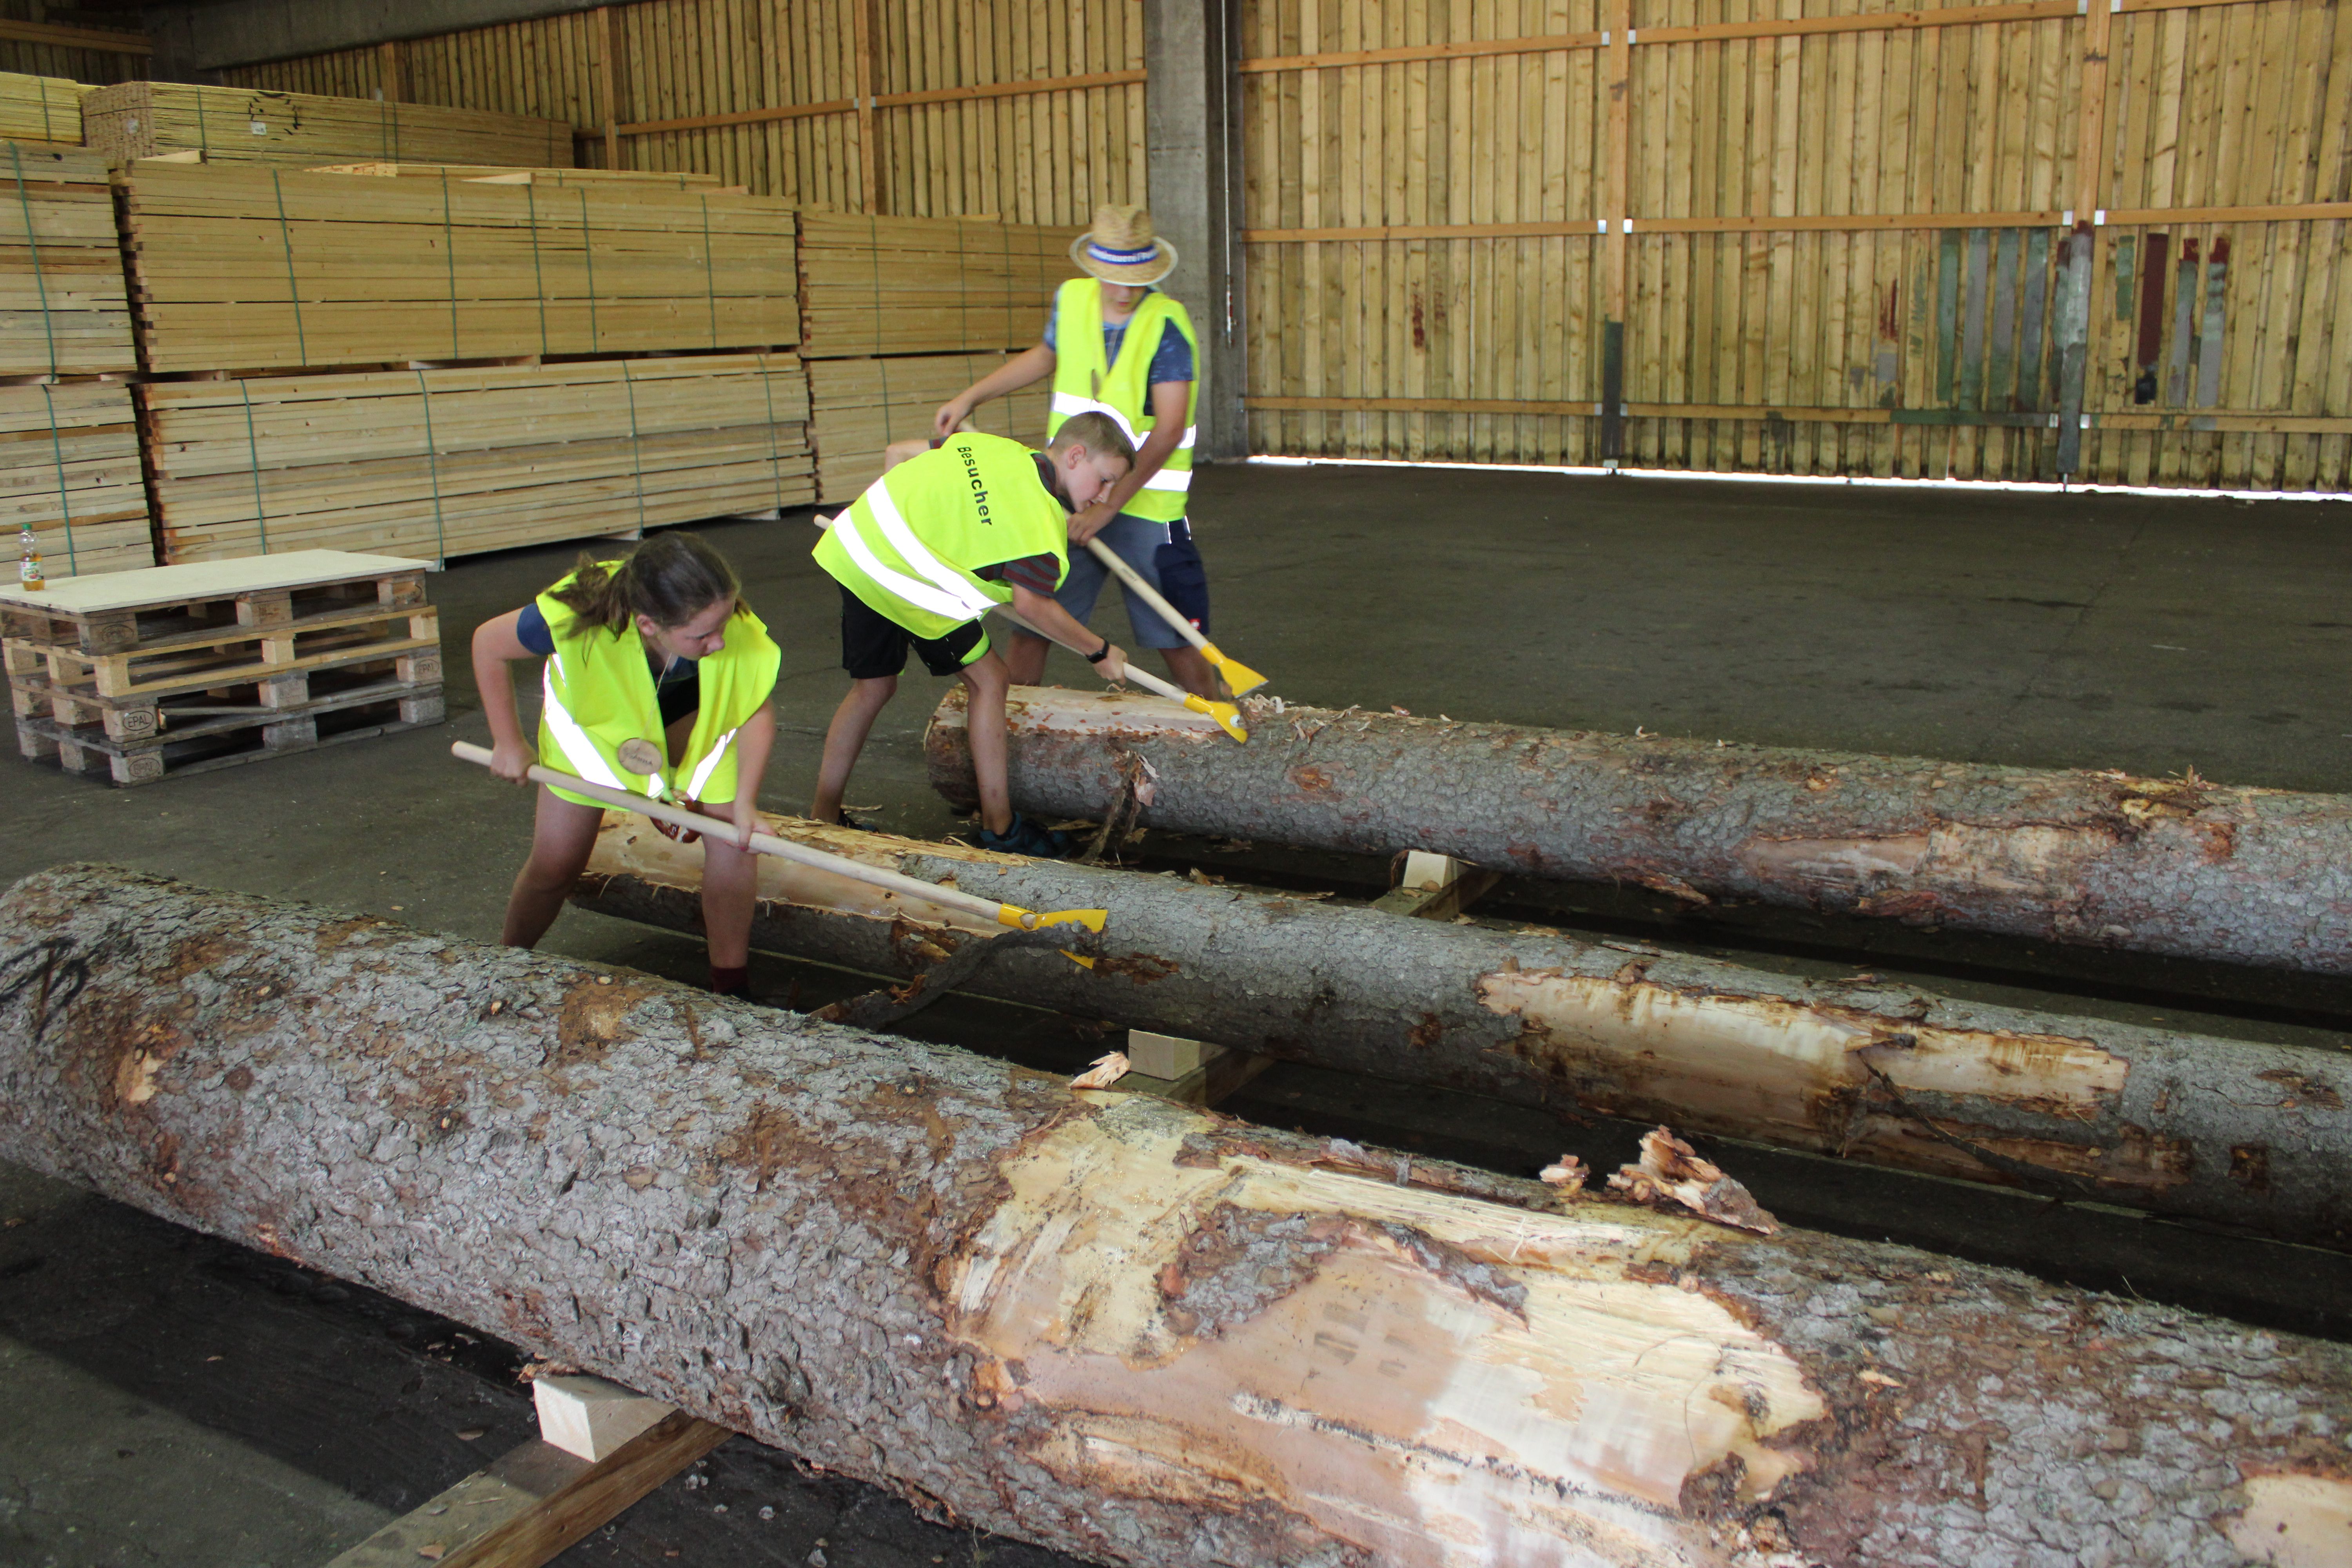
x=1030 y=919
x=1227 y=716
x=1239 y=676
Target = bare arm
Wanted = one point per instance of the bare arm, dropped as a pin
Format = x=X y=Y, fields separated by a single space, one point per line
x=496 y=645
x=1171 y=401
x=753 y=742
x=1031 y=365
x=1051 y=620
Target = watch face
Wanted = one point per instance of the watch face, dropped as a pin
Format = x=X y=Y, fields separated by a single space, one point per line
x=640 y=755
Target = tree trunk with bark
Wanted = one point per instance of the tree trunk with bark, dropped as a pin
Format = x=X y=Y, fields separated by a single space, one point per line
x=2185 y=1124
x=1105 y=1323
x=2168 y=866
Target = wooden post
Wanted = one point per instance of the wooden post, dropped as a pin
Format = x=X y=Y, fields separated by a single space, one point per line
x=862 y=21
x=2079 y=275
x=392 y=70
x=1617 y=184
x=613 y=80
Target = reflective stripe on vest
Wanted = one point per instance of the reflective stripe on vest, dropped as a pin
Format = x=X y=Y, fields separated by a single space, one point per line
x=710 y=764
x=1067 y=404
x=955 y=604
x=578 y=749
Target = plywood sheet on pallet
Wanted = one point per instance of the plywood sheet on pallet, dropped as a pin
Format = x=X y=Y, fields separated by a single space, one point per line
x=64 y=309
x=250 y=269
x=69 y=465
x=861 y=406
x=243 y=125
x=902 y=286
x=451 y=462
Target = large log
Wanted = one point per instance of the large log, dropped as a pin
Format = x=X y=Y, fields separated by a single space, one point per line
x=2176 y=1123
x=2168 y=866
x=1105 y=1323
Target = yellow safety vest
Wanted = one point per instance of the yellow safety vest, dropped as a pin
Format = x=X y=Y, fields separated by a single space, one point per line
x=908 y=546
x=599 y=696
x=1082 y=383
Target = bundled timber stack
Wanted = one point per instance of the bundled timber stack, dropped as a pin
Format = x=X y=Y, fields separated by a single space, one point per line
x=135 y=119
x=63 y=306
x=861 y=406
x=147 y=674
x=69 y=466
x=448 y=462
x=1103 y=1322
x=41 y=109
x=923 y=286
x=239 y=268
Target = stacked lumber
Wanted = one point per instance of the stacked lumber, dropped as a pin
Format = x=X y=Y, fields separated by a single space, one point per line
x=147 y=674
x=253 y=268
x=238 y=125
x=920 y=285
x=493 y=174
x=63 y=311
x=449 y=462
x=41 y=109
x=69 y=465
x=861 y=406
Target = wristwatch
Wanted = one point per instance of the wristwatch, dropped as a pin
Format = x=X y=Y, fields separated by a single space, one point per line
x=1099 y=654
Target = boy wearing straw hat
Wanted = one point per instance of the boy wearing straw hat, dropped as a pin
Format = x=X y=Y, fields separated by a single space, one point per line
x=1116 y=345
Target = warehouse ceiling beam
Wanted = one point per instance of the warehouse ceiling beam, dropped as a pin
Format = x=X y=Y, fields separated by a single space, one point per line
x=104 y=40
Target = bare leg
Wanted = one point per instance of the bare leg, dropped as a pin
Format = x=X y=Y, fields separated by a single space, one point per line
x=845 y=738
x=1192 y=671
x=1024 y=658
x=731 y=885
x=987 y=679
x=563 y=834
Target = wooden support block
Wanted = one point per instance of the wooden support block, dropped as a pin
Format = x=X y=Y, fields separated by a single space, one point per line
x=1205 y=1086
x=428 y=709
x=285 y=690
x=294 y=735
x=400 y=592
x=1167 y=1057
x=1437 y=886
x=590 y=1416
x=533 y=1502
x=271 y=609
x=418 y=668
x=137 y=767
x=107 y=634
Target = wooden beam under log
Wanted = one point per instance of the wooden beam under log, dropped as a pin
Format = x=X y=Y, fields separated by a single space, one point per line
x=2182 y=867
x=2220 y=1130
x=1104 y=1322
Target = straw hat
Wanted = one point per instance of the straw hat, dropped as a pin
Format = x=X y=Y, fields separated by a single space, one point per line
x=1121 y=249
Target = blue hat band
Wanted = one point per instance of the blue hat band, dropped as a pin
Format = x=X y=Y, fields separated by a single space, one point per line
x=1111 y=258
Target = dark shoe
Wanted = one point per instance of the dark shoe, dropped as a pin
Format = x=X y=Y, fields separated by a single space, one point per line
x=842 y=819
x=1026 y=837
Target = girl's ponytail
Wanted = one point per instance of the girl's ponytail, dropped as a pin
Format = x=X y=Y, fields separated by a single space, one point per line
x=671 y=578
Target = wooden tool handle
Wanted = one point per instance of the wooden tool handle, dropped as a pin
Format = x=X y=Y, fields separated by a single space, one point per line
x=761 y=843
x=1134 y=579
x=1145 y=678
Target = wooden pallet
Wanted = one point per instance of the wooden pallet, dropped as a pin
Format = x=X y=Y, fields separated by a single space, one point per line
x=919 y=286
x=229 y=124
x=198 y=661
x=130 y=611
x=227 y=741
x=245 y=268
x=81 y=707
x=64 y=307
x=449 y=462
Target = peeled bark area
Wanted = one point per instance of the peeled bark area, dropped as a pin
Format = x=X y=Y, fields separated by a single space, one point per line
x=2167 y=866
x=2176 y=1123
x=1105 y=1323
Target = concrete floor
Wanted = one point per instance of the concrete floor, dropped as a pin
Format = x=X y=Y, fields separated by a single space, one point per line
x=2147 y=633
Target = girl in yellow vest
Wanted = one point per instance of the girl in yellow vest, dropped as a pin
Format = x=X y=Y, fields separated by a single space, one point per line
x=1116 y=345
x=657 y=678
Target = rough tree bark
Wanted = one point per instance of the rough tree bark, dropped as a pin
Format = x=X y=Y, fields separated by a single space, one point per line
x=2168 y=866
x=1105 y=1323
x=2185 y=1124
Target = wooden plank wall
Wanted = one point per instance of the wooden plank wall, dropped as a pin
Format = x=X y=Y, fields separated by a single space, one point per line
x=964 y=122
x=32 y=44
x=1835 y=234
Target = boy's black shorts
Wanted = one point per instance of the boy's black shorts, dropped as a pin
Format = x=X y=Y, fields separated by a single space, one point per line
x=874 y=645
